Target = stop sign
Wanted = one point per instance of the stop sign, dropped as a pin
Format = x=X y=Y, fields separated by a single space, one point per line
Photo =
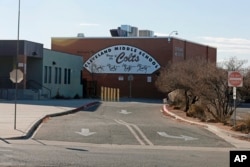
x=16 y=76
x=235 y=79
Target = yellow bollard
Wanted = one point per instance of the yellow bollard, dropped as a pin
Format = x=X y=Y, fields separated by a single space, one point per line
x=108 y=99
x=105 y=94
x=118 y=94
x=111 y=94
x=114 y=94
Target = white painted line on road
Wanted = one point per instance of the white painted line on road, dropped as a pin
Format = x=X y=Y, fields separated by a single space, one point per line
x=132 y=131
x=143 y=136
x=186 y=138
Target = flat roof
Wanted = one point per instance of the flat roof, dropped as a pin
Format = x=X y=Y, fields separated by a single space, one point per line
x=136 y=37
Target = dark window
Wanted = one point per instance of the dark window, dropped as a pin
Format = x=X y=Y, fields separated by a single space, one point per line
x=45 y=74
x=69 y=75
x=56 y=75
x=49 y=75
x=60 y=76
x=65 y=76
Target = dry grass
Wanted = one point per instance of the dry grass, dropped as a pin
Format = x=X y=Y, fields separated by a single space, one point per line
x=243 y=126
x=247 y=122
x=196 y=111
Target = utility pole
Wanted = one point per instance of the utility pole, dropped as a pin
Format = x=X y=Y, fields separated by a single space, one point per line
x=16 y=62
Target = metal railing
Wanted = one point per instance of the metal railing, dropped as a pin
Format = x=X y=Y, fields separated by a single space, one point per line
x=32 y=84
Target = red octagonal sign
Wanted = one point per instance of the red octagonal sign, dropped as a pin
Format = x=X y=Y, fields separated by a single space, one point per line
x=235 y=79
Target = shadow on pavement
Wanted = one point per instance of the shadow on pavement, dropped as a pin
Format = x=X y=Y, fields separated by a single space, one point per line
x=76 y=102
x=142 y=100
x=91 y=108
x=53 y=102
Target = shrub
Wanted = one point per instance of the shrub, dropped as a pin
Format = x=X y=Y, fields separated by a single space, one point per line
x=247 y=122
x=177 y=99
x=58 y=96
x=196 y=111
x=77 y=96
x=243 y=126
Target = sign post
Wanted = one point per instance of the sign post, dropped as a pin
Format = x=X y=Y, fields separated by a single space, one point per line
x=130 y=79
x=235 y=79
x=16 y=76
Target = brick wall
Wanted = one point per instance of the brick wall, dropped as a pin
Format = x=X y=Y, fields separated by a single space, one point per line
x=163 y=51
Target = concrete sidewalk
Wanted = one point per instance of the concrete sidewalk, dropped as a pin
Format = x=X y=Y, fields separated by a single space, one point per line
x=30 y=113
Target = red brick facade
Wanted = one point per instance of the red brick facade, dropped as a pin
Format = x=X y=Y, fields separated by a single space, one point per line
x=161 y=49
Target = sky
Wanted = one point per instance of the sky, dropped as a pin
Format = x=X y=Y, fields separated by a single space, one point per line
x=223 y=24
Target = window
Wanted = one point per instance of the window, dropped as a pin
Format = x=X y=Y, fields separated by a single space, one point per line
x=65 y=75
x=45 y=74
x=56 y=75
x=69 y=75
x=120 y=78
x=60 y=76
x=179 y=51
x=49 y=80
x=149 y=79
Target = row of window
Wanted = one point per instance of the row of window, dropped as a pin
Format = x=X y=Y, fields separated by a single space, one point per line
x=57 y=77
x=179 y=51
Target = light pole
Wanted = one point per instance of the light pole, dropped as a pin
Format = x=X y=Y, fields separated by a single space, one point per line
x=170 y=34
x=16 y=63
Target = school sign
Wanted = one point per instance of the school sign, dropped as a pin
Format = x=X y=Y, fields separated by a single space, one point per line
x=121 y=59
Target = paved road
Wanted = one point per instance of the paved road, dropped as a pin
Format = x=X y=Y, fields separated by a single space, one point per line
x=117 y=134
x=127 y=124
x=46 y=153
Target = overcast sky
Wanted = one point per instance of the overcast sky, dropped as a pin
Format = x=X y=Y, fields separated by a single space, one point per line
x=223 y=24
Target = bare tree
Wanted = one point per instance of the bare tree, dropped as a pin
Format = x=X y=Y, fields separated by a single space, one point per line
x=233 y=64
x=244 y=91
x=214 y=91
x=182 y=75
x=203 y=80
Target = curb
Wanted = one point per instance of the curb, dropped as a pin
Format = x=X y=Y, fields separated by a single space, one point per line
x=167 y=112
x=224 y=134
x=39 y=122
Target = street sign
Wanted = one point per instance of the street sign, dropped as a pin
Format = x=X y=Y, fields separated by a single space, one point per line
x=130 y=78
x=16 y=76
x=235 y=79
